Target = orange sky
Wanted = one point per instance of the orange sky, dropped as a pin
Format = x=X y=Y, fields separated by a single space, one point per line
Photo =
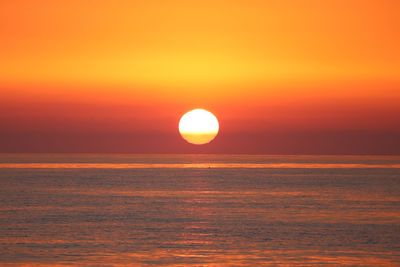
x=299 y=77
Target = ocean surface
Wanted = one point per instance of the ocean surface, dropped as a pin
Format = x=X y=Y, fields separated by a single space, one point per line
x=199 y=210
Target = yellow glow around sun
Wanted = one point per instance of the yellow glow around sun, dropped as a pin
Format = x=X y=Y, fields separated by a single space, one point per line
x=198 y=126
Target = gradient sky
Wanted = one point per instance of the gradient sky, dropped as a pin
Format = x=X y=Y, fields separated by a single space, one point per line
x=283 y=77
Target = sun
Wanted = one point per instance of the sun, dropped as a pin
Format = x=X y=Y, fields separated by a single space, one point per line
x=198 y=126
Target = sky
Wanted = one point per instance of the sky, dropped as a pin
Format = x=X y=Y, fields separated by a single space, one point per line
x=283 y=77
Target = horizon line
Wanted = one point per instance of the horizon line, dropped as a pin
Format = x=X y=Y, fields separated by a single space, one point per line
x=197 y=166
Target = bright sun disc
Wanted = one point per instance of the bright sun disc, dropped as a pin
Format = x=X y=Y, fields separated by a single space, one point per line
x=198 y=126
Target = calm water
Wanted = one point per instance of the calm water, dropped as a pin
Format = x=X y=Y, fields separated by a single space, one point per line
x=199 y=210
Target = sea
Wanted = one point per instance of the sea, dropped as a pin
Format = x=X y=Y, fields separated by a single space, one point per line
x=199 y=210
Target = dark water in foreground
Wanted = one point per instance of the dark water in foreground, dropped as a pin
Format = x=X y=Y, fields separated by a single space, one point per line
x=203 y=210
